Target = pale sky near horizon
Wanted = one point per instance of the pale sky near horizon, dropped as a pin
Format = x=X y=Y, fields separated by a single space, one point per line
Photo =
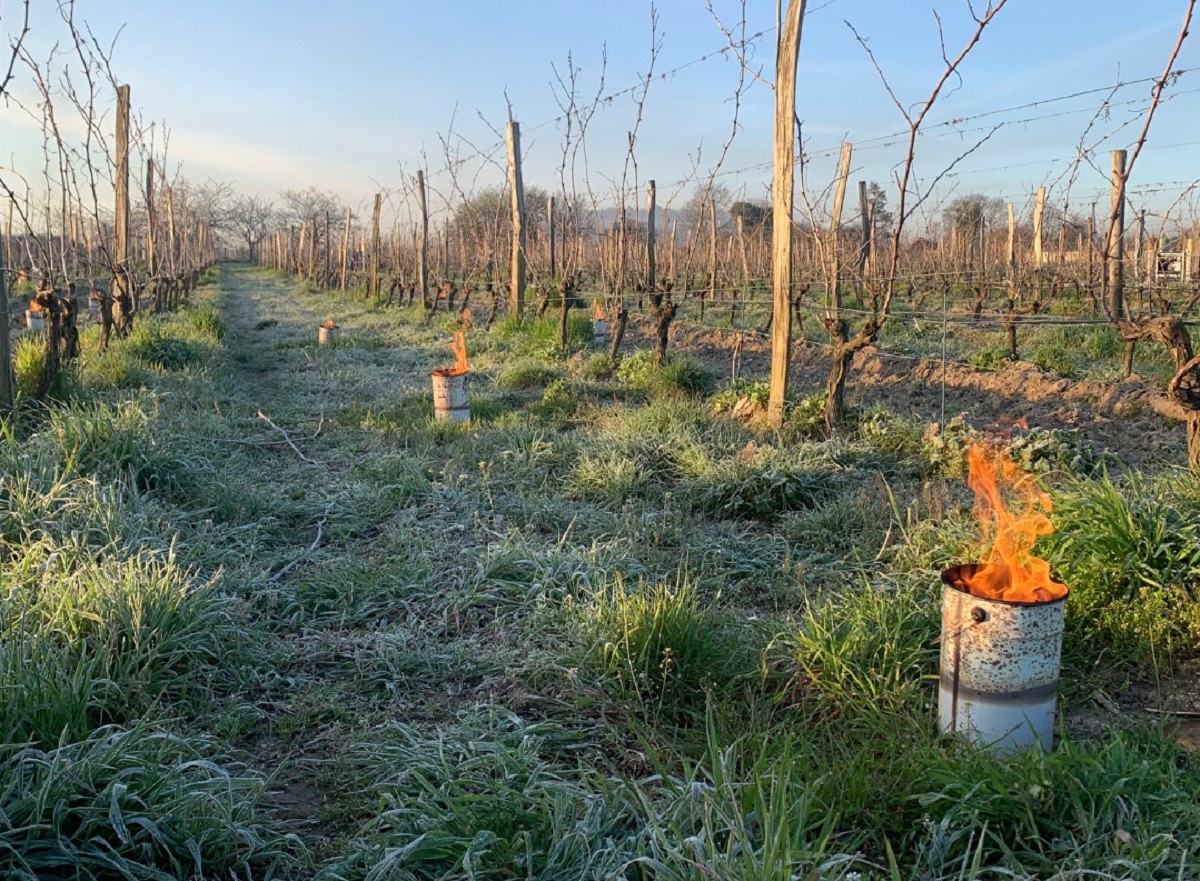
x=354 y=97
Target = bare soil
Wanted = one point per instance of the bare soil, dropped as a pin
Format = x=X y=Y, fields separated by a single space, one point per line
x=1133 y=419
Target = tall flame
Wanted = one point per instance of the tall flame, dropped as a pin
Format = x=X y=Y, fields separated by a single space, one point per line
x=459 y=348
x=35 y=306
x=1012 y=572
x=597 y=310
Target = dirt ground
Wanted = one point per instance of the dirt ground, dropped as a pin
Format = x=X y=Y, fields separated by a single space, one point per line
x=1132 y=419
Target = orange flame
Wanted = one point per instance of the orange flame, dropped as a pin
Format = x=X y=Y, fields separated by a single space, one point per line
x=35 y=306
x=597 y=310
x=329 y=325
x=1012 y=572
x=459 y=348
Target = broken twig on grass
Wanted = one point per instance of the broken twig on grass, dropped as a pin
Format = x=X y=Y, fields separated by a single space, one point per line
x=316 y=543
x=287 y=438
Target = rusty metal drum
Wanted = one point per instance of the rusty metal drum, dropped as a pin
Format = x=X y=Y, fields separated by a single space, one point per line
x=999 y=667
x=451 y=395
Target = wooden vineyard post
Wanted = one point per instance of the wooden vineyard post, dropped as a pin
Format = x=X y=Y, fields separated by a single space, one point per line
x=151 y=262
x=517 y=289
x=1010 y=263
x=740 y=228
x=327 y=267
x=8 y=257
x=651 y=262
x=864 y=209
x=786 y=59
x=1010 y=260
x=671 y=251
x=300 y=249
x=837 y=327
x=172 y=250
x=423 y=244
x=1116 y=239
x=345 y=255
x=122 y=301
x=1139 y=254
x=314 y=229
x=835 y=223
x=374 y=288
x=550 y=235
x=6 y=376
x=1039 y=210
x=712 y=254
x=1091 y=250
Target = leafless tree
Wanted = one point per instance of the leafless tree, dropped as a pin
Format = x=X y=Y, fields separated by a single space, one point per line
x=250 y=218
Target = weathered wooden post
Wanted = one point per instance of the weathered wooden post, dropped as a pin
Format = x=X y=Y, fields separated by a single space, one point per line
x=327 y=267
x=304 y=228
x=835 y=228
x=1139 y=254
x=374 y=285
x=786 y=58
x=712 y=250
x=864 y=209
x=671 y=249
x=1116 y=239
x=1010 y=263
x=122 y=300
x=550 y=233
x=836 y=326
x=6 y=377
x=151 y=261
x=651 y=264
x=423 y=244
x=345 y=255
x=8 y=243
x=517 y=289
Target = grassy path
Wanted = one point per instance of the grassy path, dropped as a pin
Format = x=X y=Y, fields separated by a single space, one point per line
x=602 y=632
x=341 y=564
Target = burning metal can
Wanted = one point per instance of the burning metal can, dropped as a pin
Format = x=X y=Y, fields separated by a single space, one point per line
x=327 y=335
x=451 y=396
x=999 y=666
x=599 y=331
x=34 y=319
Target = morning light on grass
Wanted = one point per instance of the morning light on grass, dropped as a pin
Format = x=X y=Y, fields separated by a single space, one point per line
x=704 y=442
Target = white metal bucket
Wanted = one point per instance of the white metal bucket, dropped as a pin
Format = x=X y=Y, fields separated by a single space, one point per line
x=451 y=396
x=35 y=320
x=327 y=335
x=599 y=330
x=999 y=667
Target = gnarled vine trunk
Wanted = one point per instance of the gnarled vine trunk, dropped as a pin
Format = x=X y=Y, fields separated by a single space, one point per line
x=1184 y=387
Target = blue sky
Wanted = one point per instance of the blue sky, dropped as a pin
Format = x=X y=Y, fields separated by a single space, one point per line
x=355 y=96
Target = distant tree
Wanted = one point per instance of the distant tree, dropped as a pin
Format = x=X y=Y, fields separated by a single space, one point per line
x=695 y=210
x=250 y=218
x=306 y=206
x=485 y=219
x=209 y=202
x=965 y=213
x=877 y=199
x=753 y=215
